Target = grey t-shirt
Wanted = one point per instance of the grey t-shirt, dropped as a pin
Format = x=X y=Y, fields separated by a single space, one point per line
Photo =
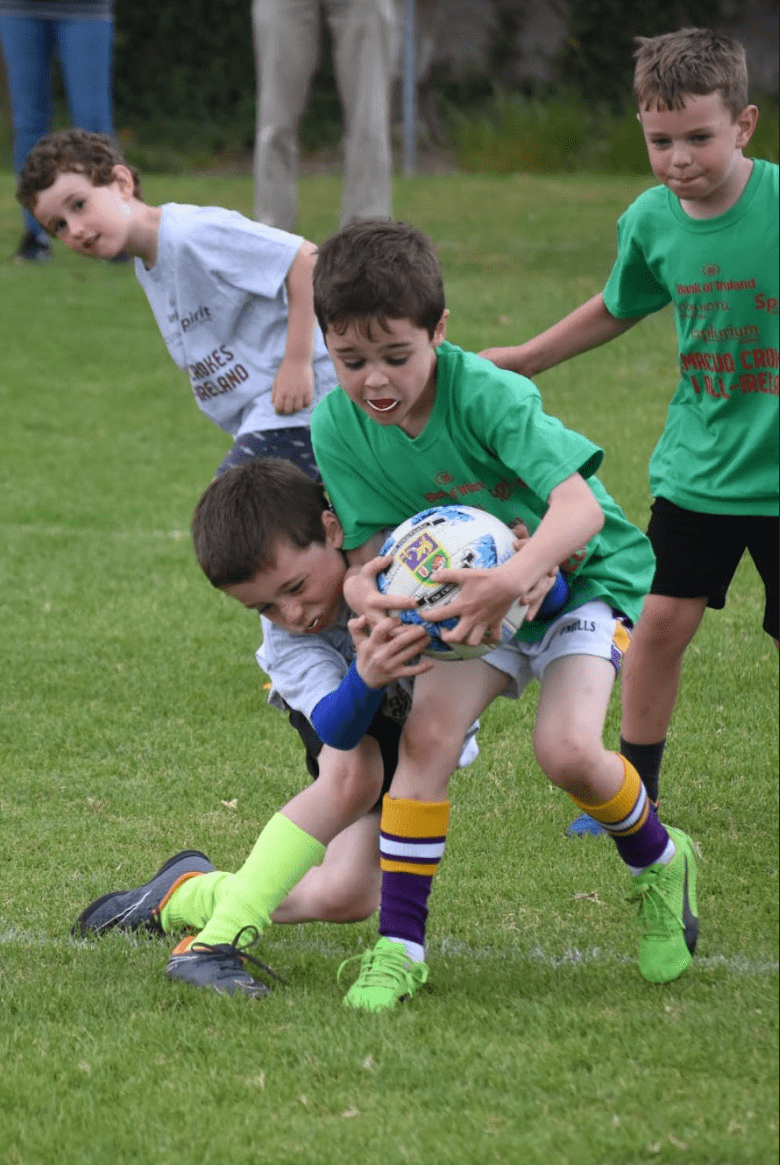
x=217 y=291
x=303 y=669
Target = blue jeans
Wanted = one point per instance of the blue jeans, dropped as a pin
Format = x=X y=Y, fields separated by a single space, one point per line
x=85 y=52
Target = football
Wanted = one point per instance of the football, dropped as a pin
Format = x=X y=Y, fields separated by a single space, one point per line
x=446 y=537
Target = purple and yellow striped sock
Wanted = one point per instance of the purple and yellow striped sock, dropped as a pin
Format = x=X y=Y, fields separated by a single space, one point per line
x=411 y=843
x=631 y=819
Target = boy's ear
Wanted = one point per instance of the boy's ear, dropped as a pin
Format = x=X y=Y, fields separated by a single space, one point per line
x=440 y=331
x=124 y=179
x=747 y=121
x=333 y=530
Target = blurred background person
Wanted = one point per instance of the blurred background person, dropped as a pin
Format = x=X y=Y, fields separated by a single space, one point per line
x=287 y=38
x=80 y=33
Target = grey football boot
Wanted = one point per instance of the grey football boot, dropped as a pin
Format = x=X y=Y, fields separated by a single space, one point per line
x=220 y=967
x=140 y=908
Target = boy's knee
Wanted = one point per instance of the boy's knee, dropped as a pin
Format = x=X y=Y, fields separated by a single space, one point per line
x=355 y=780
x=360 y=791
x=347 y=900
x=568 y=759
x=428 y=740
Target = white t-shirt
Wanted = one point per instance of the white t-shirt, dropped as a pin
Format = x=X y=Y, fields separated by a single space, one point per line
x=218 y=294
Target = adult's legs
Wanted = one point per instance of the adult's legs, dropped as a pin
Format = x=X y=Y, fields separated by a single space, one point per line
x=28 y=45
x=86 y=50
x=286 y=37
x=365 y=43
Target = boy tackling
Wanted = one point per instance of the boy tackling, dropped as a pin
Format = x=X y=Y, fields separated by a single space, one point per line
x=265 y=535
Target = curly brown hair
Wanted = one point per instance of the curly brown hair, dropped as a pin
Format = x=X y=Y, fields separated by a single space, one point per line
x=70 y=151
x=690 y=61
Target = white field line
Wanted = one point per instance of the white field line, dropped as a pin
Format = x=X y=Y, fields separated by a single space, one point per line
x=445 y=948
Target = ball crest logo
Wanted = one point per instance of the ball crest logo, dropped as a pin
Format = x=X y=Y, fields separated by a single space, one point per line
x=445 y=537
x=423 y=556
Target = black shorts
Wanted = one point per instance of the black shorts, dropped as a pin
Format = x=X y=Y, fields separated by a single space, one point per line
x=697 y=555
x=386 y=733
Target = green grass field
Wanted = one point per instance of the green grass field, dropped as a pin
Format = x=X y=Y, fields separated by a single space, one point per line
x=134 y=724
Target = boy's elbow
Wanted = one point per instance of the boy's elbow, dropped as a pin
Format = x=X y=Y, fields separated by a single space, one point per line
x=594 y=513
x=576 y=494
x=307 y=254
x=597 y=517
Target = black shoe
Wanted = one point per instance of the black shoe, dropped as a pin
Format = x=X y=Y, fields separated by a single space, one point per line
x=32 y=249
x=140 y=908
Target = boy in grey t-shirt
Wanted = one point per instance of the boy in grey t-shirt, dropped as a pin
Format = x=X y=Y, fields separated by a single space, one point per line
x=232 y=297
x=265 y=535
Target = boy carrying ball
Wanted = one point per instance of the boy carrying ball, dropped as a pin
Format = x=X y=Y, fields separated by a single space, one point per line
x=417 y=420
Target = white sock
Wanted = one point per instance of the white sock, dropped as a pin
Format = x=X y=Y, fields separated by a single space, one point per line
x=414 y=951
x=665 y=858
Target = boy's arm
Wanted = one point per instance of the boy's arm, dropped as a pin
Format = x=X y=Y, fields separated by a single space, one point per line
x=384 y=653
x=586 y=327
x=294 y=381
x=573 y=517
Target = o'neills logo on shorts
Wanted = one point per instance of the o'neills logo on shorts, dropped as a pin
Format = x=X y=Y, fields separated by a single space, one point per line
x=578 y=625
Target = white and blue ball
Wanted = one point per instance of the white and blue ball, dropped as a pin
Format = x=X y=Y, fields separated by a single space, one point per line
x=446 y=537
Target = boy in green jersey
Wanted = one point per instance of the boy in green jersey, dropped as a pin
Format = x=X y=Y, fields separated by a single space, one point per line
x=707 y=242
x=418 y=421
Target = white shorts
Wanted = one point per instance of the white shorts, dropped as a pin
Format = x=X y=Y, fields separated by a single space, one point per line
x=592 y=629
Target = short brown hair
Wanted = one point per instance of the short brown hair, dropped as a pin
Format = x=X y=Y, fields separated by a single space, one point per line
x=244 y=513
x=377 y=269
x=690 y=61
x=70 y=151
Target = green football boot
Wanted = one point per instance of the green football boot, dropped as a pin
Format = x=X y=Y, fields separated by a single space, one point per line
x=668 y=913
x=385 y=978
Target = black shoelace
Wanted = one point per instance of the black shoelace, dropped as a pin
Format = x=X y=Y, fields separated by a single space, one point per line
x=240 y=951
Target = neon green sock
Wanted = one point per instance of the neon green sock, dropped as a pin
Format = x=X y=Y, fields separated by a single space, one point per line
x=192 y=904
x=282 y=854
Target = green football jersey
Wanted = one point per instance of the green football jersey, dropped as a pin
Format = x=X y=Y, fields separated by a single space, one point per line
x=718 y=453
x=487 y=443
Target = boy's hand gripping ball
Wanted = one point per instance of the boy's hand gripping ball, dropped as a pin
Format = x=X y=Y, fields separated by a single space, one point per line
x=446 y=537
